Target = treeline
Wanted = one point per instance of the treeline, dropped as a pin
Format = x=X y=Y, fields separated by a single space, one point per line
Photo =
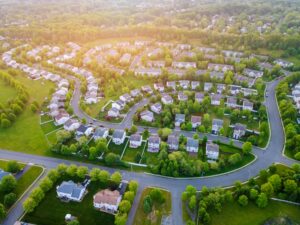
x=289 y=115
x=13 y=107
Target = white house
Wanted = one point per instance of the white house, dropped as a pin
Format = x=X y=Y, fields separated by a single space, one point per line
x=173 y=142
x=247 y=105
x=100 y=133
x=159 y=87
x=147 y=116
x=231 y=102
x=196 y=121
x=84 y=130
x=119 y=137
x=192 y=145
x=217 y=124
x=107 y=201
x=71 y=125
x=135 y=141
x=61 y=118
x=212 y=151
x=179 y=119
x=167 y=99
x=113 y=112
x=239 y=130
x=216 y=99
x=153 y=143
x=71 y=191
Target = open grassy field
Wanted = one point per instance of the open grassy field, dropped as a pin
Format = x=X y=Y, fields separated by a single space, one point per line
x=161 y=210
x=234 y=214
x=26 y=134
x=52 y=211
x=6 y=92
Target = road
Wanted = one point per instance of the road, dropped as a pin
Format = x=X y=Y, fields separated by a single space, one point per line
x=264 y=158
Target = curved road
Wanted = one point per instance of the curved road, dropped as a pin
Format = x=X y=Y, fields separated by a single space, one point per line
x=272 y=154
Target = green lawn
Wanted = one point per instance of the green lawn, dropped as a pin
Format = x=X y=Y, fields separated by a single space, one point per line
x=26 y=134
x=234 y=214
x=130 y=153
x=52 y=211
x=153 y=218
x=117 y=149
x=3 y=164
x=6 y=92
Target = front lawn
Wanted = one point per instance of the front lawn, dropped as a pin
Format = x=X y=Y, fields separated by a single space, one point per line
x=52 y=211
x=234 y=214
x=130 y=153
x=160 y=210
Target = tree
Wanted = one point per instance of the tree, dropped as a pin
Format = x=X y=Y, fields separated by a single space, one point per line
x=133 y=186
x=120 y=219
x=133 y=129
x=262 y=200
x=53 y=175
x=82 y=171
x=72 y=170
x=156 y=195
x=94 y=174
x=13 y=166
x=93 y=153
x=46 y=184
x=29 y=205
x=147 y=204
x=116 y=177
x=275 y=180
x=73 y=222
x=104 y=176
x=62 y=169
x=102 y=145
x=243 y=200
x=2 y=212
x=129 y=195
x=9 y=199
x=193 y=202
x=111 y=158
x=37 y=194
x=290 y=186
x=124 y=206
x=247 y=147
x=267 y=188
x=253 y=194
x=8 y=184
x=234 y=159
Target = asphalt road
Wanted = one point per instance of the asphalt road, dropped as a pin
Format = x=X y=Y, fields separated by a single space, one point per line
x=271 y=154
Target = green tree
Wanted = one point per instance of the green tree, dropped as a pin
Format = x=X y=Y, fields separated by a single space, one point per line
x=46 y=184
x=29 y=205
x=157 y=195
x=2 y=212
x=267 y=188
x=147 y=204
x=262 y=200
x=124 y=206
x=94 y=174
x=121 y=219
x=8 y=184
x=243 y=200
x=275 y=180
x=193 y=202
x=116 y=177
x=82 y=171
x=9 y=199
x=13 y=166
x=104 y=176
x=290 y=186
x=129 y=195
x=247 y=147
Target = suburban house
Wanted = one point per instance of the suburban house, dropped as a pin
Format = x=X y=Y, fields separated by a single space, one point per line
x=3 y=174
x=182 y=96
x=171 y=84
x=184 y=47
x=196 y=121
x=84 y=130
x=159 y=87
x=249 y=91
x=247 y=105
x=147 y=89
x=234 y=89
x=206 y=49
x=217 y=75
x=135 y=141
x=156 y=108
x=72 y=125
x=220 y=67
x=148 y=71
x=184 y=65
x=71 y=191
x=176 y=71
x=125 y=98
x=199 y=97
x=101 y=133
x=156 y=63
x=125 y=58
x=166 y=99
x=155 y=52
x=231 y=102
x=207 y=86
x=212 y=151
x=173 y=143
x=195 y=84
x=229 y=53
x=253 y=73
x=216 y=99
x=153 y=143
x=217 y=124
x=118 y=137
x=107 y=201
x=135 y=92
x=192 y=145
x=283 y=63
x=113 y=112
x=239 y=130
x=184 y=84
x=119 y=104
x=179 y=119
x=221 y=88
x=147 y=116
x=61 y=118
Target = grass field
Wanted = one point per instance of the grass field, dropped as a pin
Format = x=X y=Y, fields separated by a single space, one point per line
x=164 y=209
x=117 y=149
x=130 y=153
x=26 y=134
x=6 y=92
x=234 y=214
x=52 y=211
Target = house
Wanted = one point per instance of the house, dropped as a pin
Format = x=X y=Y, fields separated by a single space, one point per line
x=216 y=99
x=155 y=52
x=217 y=75
x=156 y=63
x=3 y=174
x=118 y=137
x=167 y=99
x=231 y=102
x=239 y=130
x=148 y=71
x=71 y=191
x=244 y=80
x=119 y=104
x=71 y=125
x=171 y=84
x=217 y=124
x=207 y=86
x=173 y=143
x=247 y=105
x=147 y=116
x=178 y=72
x=184 y=47
x=179 y=119
x=192 y=145
x=153 y=143
x=184 y=65
x=234 y=54
x=221 y=88
x=135 y=92
x=182 y=96
x=195 y=85
x=147 y=89
x=234 y=89
x=156 y=108
x=159 y=87
x=84 y=130
x=125 y=98
x=253 y=73
x=135 y=141
x=184 y=84
x=125 y=59
x=206 y=49
x=265 y=66
x=220 y=67
x=196 y=121
x=101 y=133
x=113 y=112
x=212 y=151
x=61 y=118
x=283 y=63
x=199 y=97
x=107 y=201
x=249 y=91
